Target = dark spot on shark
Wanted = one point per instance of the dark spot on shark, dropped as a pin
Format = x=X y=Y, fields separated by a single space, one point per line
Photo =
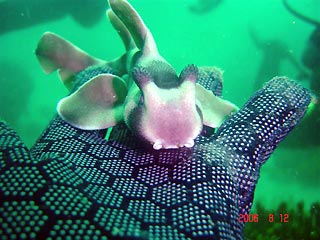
x=163 y=75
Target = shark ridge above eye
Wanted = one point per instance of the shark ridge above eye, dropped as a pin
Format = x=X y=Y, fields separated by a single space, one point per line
x=140 y=87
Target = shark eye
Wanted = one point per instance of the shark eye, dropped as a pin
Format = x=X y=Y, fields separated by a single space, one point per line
x=141 y=100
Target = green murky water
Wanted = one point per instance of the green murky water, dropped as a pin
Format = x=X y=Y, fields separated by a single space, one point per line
x=222 y=37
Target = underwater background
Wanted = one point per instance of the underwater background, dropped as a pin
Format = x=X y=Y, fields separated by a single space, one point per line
x=224 y=36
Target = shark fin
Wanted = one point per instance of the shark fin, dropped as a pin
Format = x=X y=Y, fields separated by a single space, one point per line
x=54 y=52
x=214 y=109
x=97 y=104
x=135 y=25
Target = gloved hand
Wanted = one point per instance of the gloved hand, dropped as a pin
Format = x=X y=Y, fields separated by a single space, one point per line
x=75 y=183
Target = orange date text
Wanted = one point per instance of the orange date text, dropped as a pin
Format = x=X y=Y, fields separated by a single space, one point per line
x=254 y=218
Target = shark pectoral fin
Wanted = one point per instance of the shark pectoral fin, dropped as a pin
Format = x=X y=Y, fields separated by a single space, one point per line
x=54 y=52
x=97 y=104
x=214 y=109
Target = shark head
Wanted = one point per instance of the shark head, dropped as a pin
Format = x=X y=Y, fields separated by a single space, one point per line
x=166 y=115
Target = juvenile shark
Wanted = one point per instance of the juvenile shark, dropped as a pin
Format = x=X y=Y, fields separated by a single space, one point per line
x=157 y=105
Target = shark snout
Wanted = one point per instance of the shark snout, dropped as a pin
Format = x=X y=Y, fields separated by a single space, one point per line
x=159 y=145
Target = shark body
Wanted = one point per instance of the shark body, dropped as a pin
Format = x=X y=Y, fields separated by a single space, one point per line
x=141 y=88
